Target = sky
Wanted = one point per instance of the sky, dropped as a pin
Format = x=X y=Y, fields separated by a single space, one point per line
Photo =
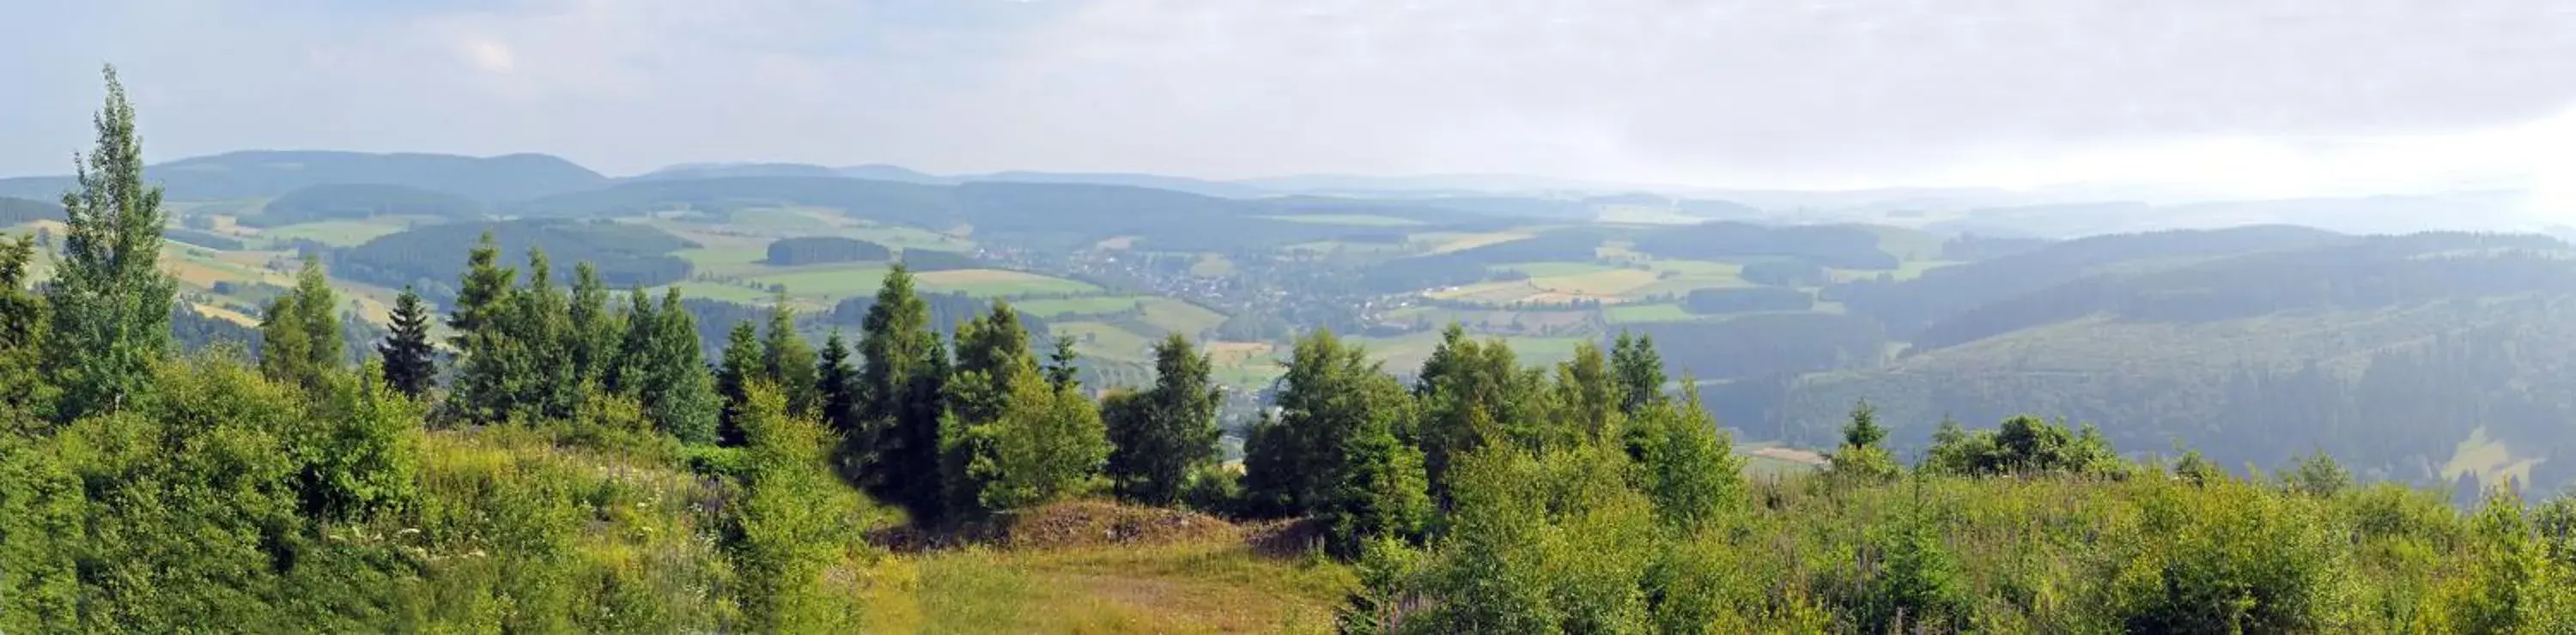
x=2251 y=96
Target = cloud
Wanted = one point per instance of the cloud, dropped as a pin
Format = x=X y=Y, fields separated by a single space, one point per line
x=2247 y=94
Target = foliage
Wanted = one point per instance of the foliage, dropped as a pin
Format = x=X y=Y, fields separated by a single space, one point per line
x=110 y=303
x=1161 y=435
x=409 y=361
x=352 y=201
x=808 y=250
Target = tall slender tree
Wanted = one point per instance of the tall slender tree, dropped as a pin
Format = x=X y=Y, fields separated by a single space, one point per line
x=110 y=302
x=788 y=361
x=1060 y=366
x=738 y=369
x=542 y=327
x=410 y=363
x=22 y=331
x=300 y=333
x=593 y=341
x=902 y=381
x=837 y=381
x=1640 y=370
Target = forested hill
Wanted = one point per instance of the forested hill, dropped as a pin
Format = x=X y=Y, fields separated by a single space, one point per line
x=253 y=174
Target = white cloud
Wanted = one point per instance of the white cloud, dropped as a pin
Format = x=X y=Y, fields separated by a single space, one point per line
x=488 y=54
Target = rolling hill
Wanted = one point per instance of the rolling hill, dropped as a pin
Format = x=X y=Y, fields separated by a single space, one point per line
x=267 y=173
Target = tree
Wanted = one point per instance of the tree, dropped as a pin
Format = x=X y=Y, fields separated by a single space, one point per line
x=678 y=394
x=1692 y=472
x=1588 y=395
x=1640 y=370
x=1048 y=444
x=487 y=356
x=540 y=329
x=789 y=362
x=110 y=303
x=1158 y=436
x=1333 y=402
x=1473 y=395
x=1863 y=430
x=592 y=347
x=837 y=382
x=1060 y=369
x=794 y=521
x=902 y=378
x=409 y=363
x=22 y=332
x=740 y=366
x=300 y=331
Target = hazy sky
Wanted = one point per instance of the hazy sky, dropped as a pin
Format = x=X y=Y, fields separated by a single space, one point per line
x=2254 y=94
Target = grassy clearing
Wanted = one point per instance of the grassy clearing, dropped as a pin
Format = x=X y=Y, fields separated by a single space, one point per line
x=902 y=237
x=1405 y=353
x=1211 y=584
x=726 y=261
x=1178 y=316
x=838 y=280
x=996 y=282
x=341 y=233
x=1445 y=242
x=1365 y=220
x=725 y=292
x=2491 y=460
x=1638 y=313
x=1605 y=284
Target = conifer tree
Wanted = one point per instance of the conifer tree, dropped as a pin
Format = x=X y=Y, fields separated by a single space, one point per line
x=542 y=330
x=488 y=357
x=595 y=331
x=992 y=378
x=902 y=380
x=285 y=350
x=1159 y=435
x=110 y=303
x=320 y=317
x=1332 y=399
x=1589 y=396
x=1060 y=368
x=630 y=366
x=1640 y=370
x=837 y=382
x=410 y=364
x=740 y=366
x=789 y=362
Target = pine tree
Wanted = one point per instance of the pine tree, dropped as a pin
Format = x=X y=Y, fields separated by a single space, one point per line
x=902 y=380
x=837 y=381
x=410 y=365
x=734 y=376
x=629 y=369
x=300 y=333
x=995 y=378
x=110 y=303
x=788 y=361
x=1159 y=435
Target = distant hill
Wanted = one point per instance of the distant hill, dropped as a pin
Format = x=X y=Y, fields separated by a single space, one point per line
x=1905 y=307
x=431 y=257
x=2389 y=352
x=351 y=201
x=1201 y=187
x=723 y=170
x=254 y=174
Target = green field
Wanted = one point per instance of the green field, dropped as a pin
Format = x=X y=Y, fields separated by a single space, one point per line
x=1366 y=220
x=832 y=281
x=724 y=261
x=1636 y=313
x=1177 y=316
x=1545 y=269
x=332 y=232
x=994 y=283
x=1405 y=353
x=1051 y=307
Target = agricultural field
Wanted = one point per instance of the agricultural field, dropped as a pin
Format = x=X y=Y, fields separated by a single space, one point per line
x=1497 y=321
x=339 y=233
x=834 y=281
x=1405 y=353
x=2489 y=460
x=1177 y=316
x=994 y=283
x=1906 y=270
x=1445 y=242
x=1546 y=269
x=1052 y=307
x=725 y=261
x=1212 y=266
x=1607 y=285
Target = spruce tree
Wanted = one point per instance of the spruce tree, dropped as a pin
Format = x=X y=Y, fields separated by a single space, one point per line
x=549 y=384
x=1060 y=366
x=487 y=355
x=1159 y=435
x=629 y=367
x=110 y=302
x=410 y=364
x=1331 y=398
x=837 y=382
x=994 y=376
x=788 y=362
x=734 y=375
x=902 y=380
